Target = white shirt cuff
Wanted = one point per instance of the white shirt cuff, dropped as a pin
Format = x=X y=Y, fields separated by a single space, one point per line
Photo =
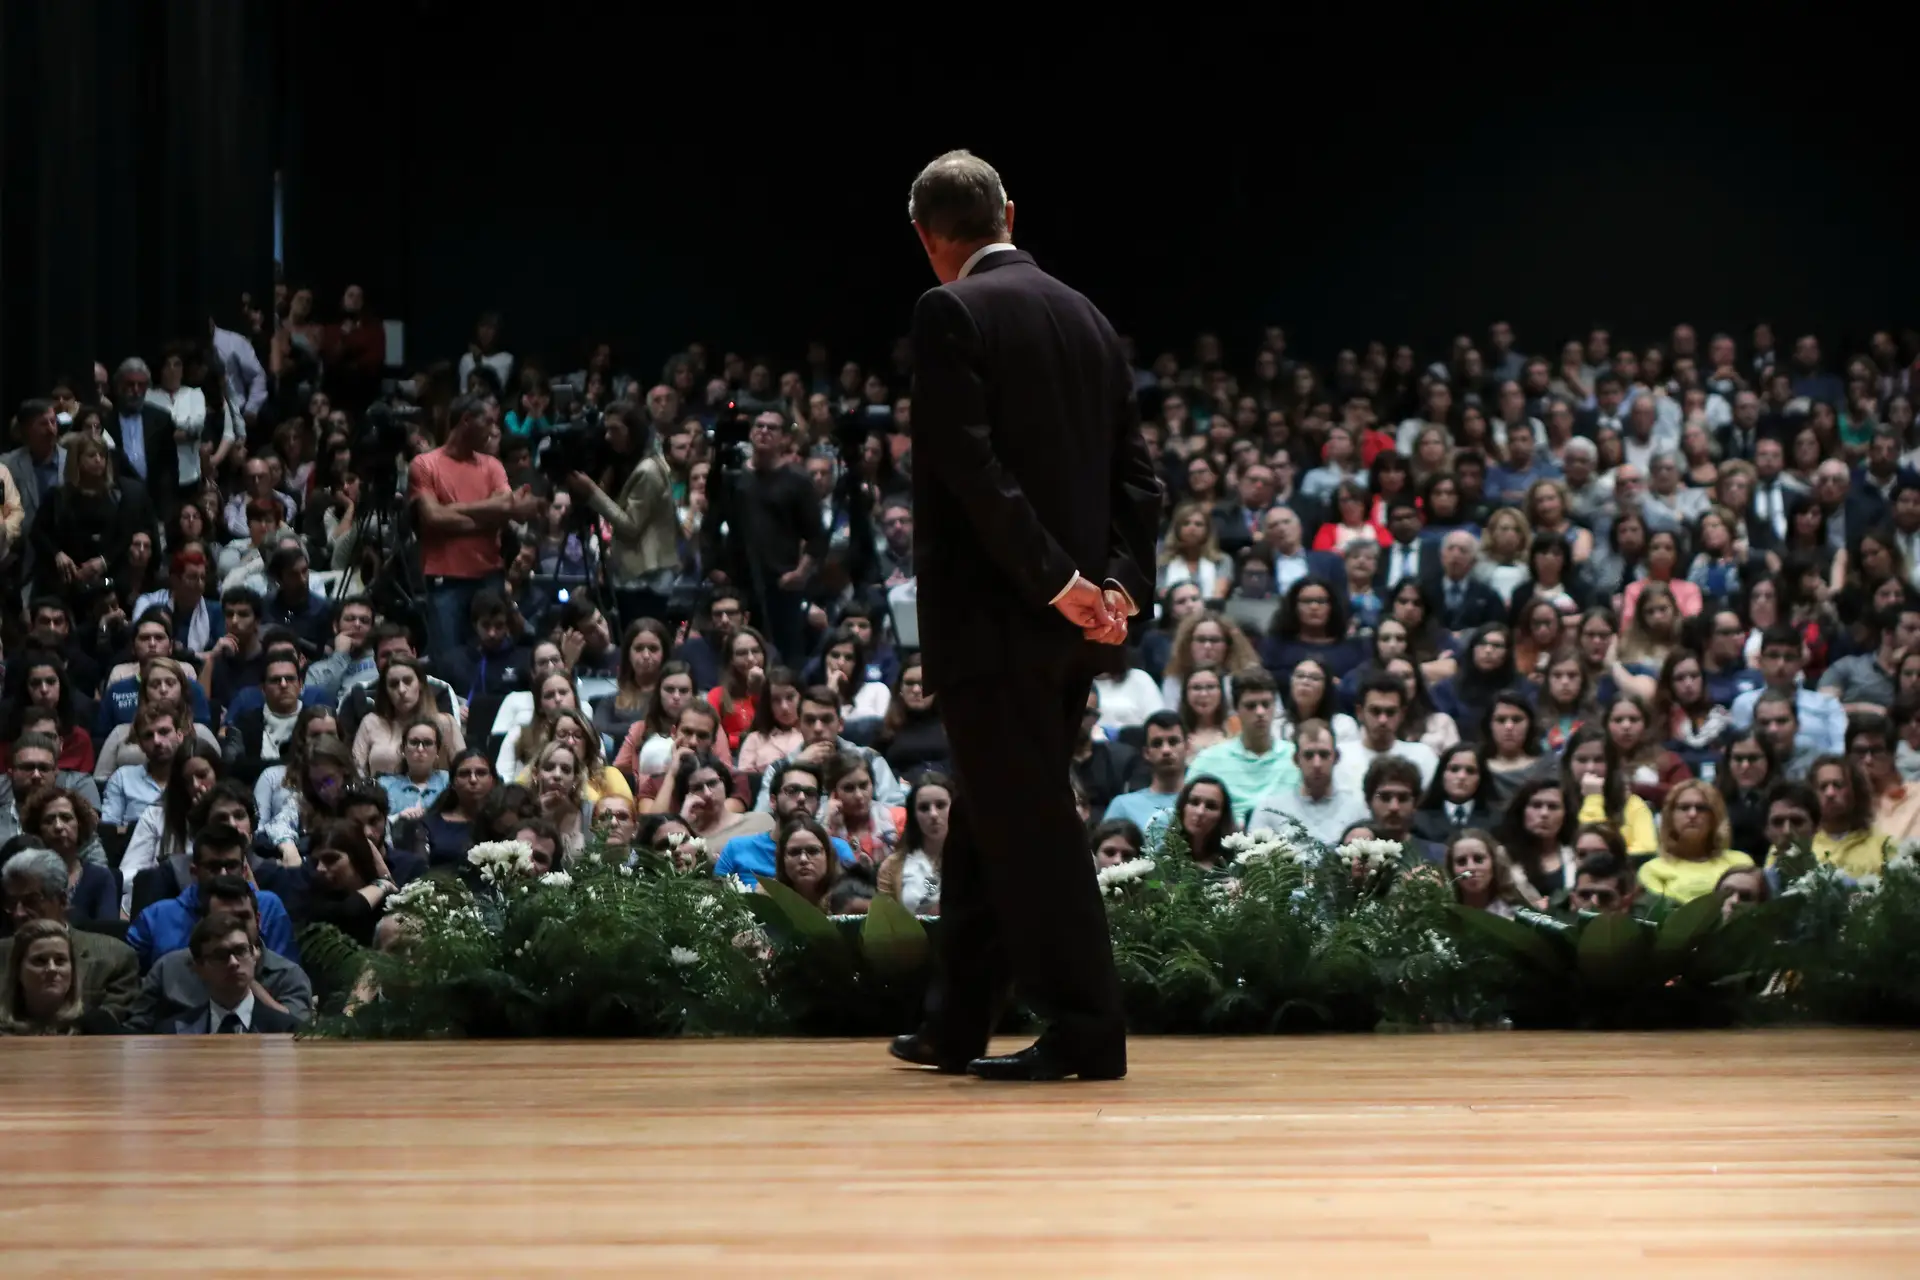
x=1072 y=582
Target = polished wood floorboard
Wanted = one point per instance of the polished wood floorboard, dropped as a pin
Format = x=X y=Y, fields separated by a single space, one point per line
x=1746 y=1155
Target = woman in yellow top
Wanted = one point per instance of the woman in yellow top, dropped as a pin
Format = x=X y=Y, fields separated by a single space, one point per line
x=1846 y=836
x=1694 y=840
x=566 y=725
x=1592 y=777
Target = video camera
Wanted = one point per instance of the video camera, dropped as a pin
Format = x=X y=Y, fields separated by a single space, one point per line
x=730 y=436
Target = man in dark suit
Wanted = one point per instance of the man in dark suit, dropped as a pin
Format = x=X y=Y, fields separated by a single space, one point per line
x=224 y=956
x=145 y=436
x=1035 y=508
x=1460 y=600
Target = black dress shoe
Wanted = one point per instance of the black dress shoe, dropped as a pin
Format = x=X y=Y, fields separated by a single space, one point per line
x=1041 y=1061
x=920 y=1051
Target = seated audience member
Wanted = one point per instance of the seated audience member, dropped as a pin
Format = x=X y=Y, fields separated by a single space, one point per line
x=165 y=830
x=1252 y=763
x=1115 y=842
x=350 y=659
x=41 y=995
x=1482 y=874
x=1457 y=798
x=172 y=987
x=1165 y=755
x=617 y=823
x=152 y=638
x=820 y=726
x=261 y=735
x=805 y=865
x=1695 y=847
x=1202 y=818
x=1383 y=702
x=1317 y=804
x=1896 y=804
x=911 y=873
x=226 y=959
x=1392 y=787
x=1845 y=835
x=238 y=658
x=32 y=766
x=1603 y=883
x=43 y=697
x=1103 y=768
x=35 y=886
x=797 y=790
x=164 y=926
x=66 y=824
x=1783 y=656
x=349 y=880
x=448 y=828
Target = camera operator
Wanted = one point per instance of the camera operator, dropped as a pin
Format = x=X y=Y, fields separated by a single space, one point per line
x=645 y=557
x=463 y=502
x=774 y=537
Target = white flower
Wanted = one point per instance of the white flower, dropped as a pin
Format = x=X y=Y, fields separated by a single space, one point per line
x=684 y=956
x=556 y=880
x=420 y=891
x=706 y=906
x=739 y=884
x=593 y=857
x=1867 y=883
x=1371 y=852
x=626 y=871
x=1110 y=878
x=520 y=951
x=497 y=859
x=1237 y=841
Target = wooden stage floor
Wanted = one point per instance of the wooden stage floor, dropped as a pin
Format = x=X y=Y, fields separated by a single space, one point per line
x=1548 y=1157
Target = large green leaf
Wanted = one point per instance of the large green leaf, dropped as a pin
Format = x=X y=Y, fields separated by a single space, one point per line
x=1520 y=941
x=894 y=943
x=1685 y=926
x=806 y=921
x=1613 y=949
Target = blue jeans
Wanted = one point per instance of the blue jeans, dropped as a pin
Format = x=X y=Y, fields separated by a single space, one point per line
x=449 y=609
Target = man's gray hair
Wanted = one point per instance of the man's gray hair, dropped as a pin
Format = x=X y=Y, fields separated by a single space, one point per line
x=960 y=197
x=39 y=869
x=1583 y=447
x=132 y=364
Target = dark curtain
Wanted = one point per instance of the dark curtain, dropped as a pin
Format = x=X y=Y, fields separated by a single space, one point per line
x=136 y=181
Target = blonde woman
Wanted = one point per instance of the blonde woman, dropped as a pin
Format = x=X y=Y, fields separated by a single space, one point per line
x=1503 y=552
x=1191 y=553
x=1695 y=844
x=42 y=995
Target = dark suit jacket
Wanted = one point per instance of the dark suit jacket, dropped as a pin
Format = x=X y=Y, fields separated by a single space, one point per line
x=1429 y=554
x=1028 y=467
x=1432 y=824
x=1478 y=606
x=266 y=1022
x=163 y=462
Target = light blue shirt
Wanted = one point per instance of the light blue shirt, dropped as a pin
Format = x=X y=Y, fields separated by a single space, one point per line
x=1823 y=721
x=129 y=792
x=133 y=442
x=1139 y=807
x=404 y=794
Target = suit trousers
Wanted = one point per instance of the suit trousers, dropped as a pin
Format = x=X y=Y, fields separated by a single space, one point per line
x=1019 y=905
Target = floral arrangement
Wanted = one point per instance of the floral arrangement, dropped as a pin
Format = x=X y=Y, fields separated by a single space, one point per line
x=1291 y=935
x=1294 y=936
x=600 y=949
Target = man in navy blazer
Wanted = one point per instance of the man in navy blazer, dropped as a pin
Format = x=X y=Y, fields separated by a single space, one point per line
x=224 y=958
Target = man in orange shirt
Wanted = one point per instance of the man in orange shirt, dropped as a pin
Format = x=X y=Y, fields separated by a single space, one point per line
x=461 y=502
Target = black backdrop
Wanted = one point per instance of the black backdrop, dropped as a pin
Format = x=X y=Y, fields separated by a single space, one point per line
x=616 y=173
x=136 y=175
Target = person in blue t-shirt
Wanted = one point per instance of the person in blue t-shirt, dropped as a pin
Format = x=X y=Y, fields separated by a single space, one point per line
x=796 y=791
x=1165 y=753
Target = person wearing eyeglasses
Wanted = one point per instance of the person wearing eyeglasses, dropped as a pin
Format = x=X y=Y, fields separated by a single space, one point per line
x=797 y=787
x=1896 y=803
x=1694 y=844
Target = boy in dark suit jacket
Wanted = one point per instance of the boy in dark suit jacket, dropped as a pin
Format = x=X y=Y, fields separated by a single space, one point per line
x=224 y=956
